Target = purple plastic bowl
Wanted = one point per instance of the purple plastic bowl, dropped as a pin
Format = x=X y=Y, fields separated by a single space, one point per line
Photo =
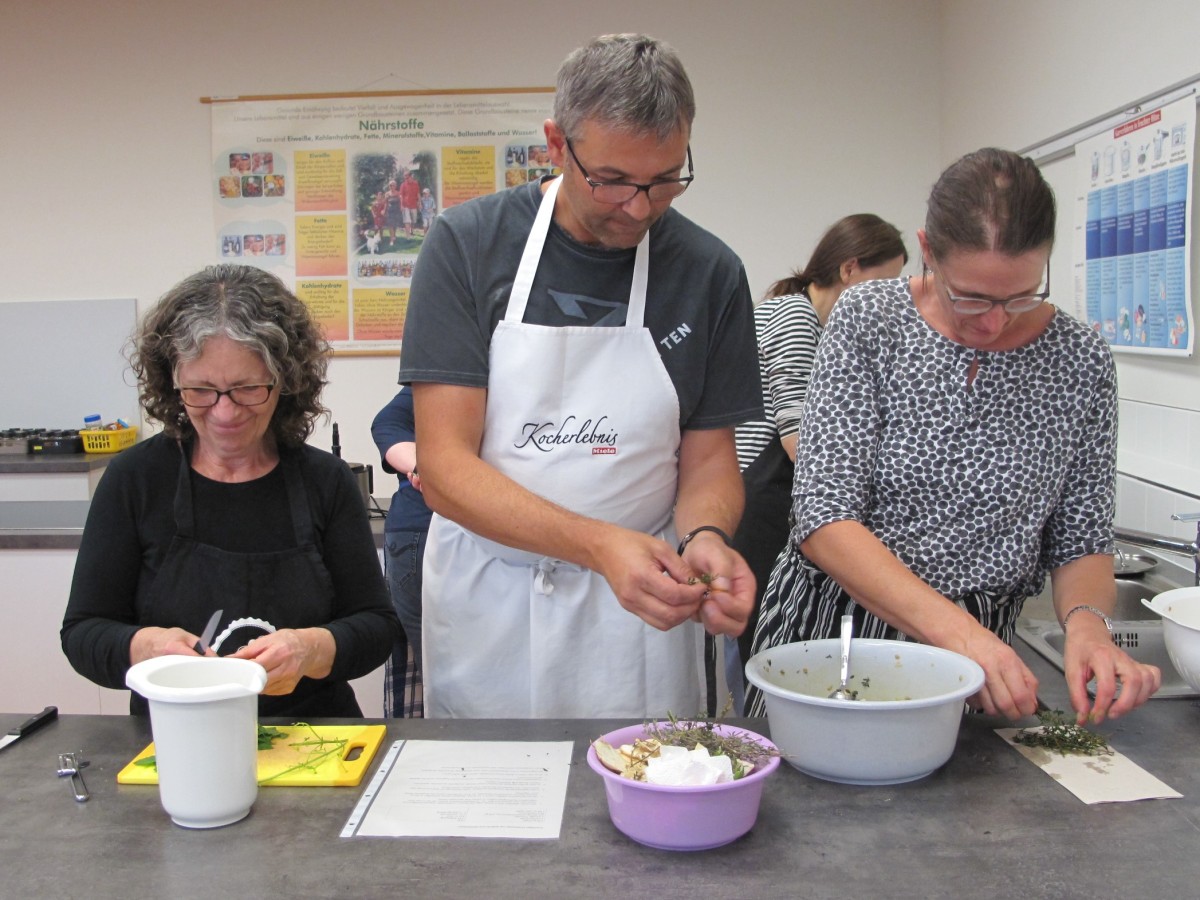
x=690 y=817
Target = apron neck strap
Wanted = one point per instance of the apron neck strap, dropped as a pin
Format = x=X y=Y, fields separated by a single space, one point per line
x=518 y=299
x=185 y=515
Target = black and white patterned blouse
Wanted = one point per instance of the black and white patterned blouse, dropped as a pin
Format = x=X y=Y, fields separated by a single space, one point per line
x=979 y=490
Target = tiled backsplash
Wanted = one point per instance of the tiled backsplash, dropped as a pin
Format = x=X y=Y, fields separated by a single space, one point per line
x=1158 y=468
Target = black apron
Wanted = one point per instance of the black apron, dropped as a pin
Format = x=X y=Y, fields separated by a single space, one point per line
x=288 y=588
x=766 y=523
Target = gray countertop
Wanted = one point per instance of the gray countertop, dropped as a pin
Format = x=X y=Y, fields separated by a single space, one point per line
x=42 y=524
x=989 y=823
x=58 y=524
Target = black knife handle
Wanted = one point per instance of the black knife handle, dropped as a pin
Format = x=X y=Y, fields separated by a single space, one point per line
x=33 y=723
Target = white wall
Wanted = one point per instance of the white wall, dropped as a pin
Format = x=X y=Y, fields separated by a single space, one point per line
x=807 y=112
x=1018 y=72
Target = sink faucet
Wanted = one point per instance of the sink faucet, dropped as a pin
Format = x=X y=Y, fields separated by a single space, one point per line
x=1171 y=545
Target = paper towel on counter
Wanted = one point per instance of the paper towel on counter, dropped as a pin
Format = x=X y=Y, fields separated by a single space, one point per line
x=1105 y=778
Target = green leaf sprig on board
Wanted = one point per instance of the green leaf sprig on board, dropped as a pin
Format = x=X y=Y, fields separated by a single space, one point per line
x=319 y=749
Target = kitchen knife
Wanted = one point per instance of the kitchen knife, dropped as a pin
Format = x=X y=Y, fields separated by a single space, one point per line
x=30 y=725
x=201 y=646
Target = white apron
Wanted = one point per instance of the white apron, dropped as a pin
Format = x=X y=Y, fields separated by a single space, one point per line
x=587 y=418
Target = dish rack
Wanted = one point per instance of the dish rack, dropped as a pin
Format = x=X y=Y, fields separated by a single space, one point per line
x=108 y=440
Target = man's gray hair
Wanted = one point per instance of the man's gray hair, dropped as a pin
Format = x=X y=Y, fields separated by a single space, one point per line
x=628 y=82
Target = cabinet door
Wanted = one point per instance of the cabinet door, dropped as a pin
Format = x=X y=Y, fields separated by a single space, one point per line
x=33 y=671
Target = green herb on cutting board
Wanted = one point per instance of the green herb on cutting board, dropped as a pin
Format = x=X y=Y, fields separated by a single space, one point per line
x=319 y=749
x=267 y=736
x=1059 y=733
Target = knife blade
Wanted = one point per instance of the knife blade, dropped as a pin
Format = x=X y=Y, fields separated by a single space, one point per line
x=30 y=725
x=201 y=646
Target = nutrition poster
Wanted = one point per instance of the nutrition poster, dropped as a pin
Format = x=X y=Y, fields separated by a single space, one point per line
x=1132 y=280
x=336 y=194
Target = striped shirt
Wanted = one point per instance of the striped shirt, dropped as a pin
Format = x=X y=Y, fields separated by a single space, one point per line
x=788 y=331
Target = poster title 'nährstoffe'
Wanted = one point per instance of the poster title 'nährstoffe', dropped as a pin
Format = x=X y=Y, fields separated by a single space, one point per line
x=415 y=124
x=411 y=124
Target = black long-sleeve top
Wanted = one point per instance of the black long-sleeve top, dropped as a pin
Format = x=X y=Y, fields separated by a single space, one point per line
x=131 y=524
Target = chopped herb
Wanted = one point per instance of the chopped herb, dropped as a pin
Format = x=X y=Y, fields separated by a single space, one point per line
x=1060 y=734
x=268 y=735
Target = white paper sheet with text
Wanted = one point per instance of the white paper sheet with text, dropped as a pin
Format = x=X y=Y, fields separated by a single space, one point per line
x=495 y=789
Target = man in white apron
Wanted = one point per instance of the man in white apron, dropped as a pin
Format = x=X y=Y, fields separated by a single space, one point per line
x=563 y=460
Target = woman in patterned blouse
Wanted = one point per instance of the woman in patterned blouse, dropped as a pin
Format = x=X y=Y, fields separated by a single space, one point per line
x=959 y=443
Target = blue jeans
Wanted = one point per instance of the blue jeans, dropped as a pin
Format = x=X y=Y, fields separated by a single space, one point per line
x=405 y=552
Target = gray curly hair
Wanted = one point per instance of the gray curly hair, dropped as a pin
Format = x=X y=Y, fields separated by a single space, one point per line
x=246 y=305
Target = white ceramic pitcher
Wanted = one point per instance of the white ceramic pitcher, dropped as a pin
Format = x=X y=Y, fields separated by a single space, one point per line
x=204 y=715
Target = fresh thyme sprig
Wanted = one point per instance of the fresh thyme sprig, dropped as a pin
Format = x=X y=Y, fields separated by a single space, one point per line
x=688 y=733
x=1059 y=733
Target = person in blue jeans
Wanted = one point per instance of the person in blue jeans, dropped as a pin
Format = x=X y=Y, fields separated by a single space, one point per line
x=404 y=541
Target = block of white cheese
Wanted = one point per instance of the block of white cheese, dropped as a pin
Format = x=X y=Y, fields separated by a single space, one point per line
x=679 y=766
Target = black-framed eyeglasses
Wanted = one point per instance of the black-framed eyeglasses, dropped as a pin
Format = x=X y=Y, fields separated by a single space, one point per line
x=242 y=395
x=977 y=306
x=623 y=191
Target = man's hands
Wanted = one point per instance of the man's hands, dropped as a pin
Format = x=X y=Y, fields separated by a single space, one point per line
x=730 y=596
x=651 y=580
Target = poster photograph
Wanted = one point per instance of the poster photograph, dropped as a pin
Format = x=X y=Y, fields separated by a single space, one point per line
x=336 y=194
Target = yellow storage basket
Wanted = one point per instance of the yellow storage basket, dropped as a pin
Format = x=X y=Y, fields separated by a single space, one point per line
x=108 y=441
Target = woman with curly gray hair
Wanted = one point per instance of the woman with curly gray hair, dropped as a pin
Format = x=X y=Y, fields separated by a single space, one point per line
x=228 y=509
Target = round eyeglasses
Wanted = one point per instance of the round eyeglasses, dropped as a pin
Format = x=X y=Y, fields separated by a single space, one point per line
x=617 y=192
x=242 y=395
x=977 y=306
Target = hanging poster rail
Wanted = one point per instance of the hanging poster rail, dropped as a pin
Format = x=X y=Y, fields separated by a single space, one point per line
x=1063 y=143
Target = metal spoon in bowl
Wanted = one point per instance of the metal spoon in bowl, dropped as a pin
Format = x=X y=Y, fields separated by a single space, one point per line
x=843 y=692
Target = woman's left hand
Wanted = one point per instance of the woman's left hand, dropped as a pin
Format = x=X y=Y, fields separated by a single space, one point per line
x=1090 y=653
x=291 y=654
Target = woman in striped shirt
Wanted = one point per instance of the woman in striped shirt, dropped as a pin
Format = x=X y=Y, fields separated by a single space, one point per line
x=788 y=323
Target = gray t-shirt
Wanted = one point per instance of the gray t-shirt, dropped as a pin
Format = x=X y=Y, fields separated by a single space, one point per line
x=698 y=306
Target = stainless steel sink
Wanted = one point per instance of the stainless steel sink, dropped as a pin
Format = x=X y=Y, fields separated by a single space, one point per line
x=1136 y=629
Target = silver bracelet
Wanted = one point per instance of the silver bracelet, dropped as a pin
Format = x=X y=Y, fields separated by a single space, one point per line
x=1074 y=609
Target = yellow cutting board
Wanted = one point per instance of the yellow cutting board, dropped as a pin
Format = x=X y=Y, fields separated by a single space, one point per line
x=341 y=769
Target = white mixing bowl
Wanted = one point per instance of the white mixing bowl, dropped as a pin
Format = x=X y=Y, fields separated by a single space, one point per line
x=1180 y=611
x=903 y=726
